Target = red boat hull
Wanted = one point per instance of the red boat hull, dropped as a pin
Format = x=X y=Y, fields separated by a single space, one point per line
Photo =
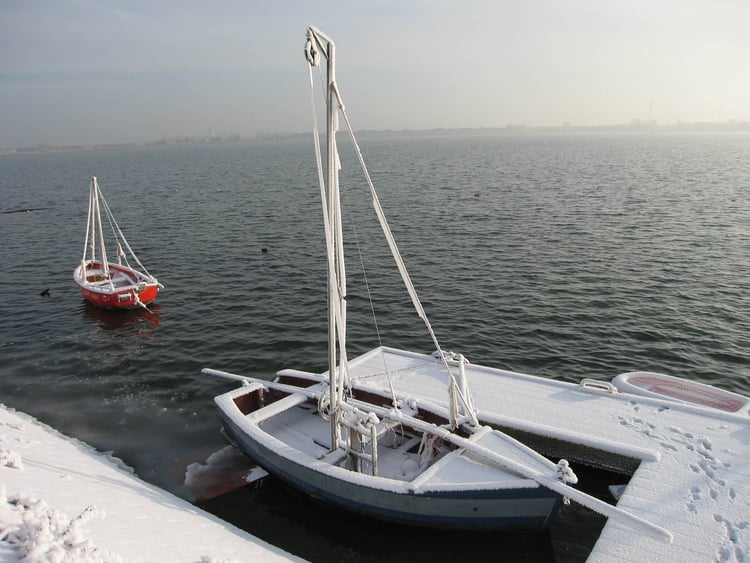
x=129 y=289
x=120 y=300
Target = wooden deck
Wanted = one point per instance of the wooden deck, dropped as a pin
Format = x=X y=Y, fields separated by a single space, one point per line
x=692 y=464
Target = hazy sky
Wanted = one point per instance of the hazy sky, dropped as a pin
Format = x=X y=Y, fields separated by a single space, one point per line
x=104 y=71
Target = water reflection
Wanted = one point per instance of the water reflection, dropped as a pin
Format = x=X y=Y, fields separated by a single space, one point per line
x=128 y=321
x=278 y=514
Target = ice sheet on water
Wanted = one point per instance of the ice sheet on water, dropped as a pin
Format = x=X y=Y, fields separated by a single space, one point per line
x=224 y=470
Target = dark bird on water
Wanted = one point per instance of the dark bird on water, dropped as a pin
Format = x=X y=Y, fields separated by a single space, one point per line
x=264 y=250
x=45 y=293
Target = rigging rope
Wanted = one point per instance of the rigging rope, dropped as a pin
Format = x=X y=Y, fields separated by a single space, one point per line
x=117 y=231
x=313 y=58
x=313 y=55
x=454 y=391
x=371 y=301
x=328 y=226
x=118 y=235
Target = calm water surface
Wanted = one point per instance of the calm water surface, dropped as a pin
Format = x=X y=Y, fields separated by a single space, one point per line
x=561 y=256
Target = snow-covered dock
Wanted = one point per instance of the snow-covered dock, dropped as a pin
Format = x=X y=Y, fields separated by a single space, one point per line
x=691 y=475
x=692 y=464
x=60 y=500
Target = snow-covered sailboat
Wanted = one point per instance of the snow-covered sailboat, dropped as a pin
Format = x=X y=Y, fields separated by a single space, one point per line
x=114 y=285
x=374 y=450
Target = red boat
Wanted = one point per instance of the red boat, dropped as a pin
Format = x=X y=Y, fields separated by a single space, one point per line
x=649 y=384
x=108 y=284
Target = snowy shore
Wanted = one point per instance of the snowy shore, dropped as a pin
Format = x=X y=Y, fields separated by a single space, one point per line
x=60 y=500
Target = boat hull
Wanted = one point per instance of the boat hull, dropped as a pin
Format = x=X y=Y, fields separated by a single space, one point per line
x=126 y=288
x=464 y=507
x=532 y=508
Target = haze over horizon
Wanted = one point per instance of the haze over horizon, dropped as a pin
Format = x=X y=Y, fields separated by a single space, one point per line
x=99 y=72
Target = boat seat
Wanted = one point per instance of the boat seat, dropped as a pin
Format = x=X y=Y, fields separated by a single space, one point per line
x=333 y=457
x=277 y=407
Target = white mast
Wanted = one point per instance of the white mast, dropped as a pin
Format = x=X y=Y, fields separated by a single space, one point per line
x=94 y=231
x=334 y=231
x=89 y=233
x=334 y=240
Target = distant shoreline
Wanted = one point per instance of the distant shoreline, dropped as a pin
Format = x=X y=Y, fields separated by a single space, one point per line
x=634 y=127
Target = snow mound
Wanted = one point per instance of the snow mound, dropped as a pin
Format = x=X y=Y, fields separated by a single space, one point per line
x=43 y=535
x=10 y=458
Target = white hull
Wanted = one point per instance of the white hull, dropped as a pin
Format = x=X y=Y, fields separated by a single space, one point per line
x=289 y=440
x=659 y=385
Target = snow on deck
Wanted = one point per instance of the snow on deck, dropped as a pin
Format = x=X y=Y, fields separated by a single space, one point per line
x=694 y=473
x=60 y=497
x=62 y=500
